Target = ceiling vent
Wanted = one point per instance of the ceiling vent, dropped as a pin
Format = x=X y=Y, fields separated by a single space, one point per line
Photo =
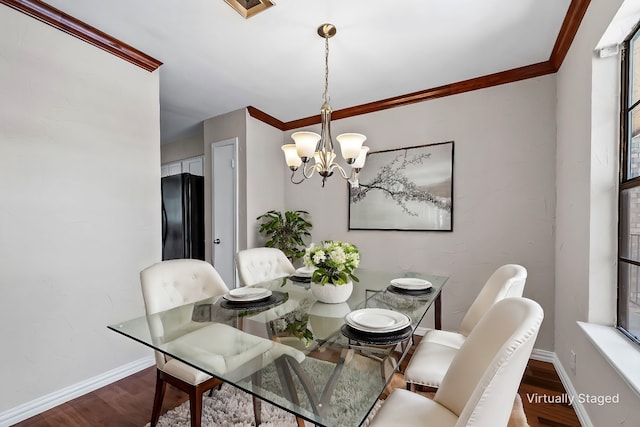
x=248 y=8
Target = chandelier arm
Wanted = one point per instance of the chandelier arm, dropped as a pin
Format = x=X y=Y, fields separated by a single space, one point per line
x=342 y=171
x=308 y=170
x=293 y=174
x=352 y=178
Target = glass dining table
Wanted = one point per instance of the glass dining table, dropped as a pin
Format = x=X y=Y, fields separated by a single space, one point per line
x=316 y=367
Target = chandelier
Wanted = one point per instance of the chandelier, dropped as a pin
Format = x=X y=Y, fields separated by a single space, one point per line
x=310 y=145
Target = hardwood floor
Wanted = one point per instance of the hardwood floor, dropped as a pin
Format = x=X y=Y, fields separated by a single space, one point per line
x=541 y=379
x=128 y=402
x=125 y=403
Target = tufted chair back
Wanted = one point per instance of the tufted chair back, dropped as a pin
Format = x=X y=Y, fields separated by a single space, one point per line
x=173 y=283
x=506 y=282
x=176 y=282
x=486 y=372
x=262 y=264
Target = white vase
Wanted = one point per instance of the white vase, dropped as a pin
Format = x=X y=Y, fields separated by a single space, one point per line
x=330 y=293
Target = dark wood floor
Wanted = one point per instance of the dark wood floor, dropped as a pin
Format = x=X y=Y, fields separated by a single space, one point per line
x=541 y=378
x=128 y=402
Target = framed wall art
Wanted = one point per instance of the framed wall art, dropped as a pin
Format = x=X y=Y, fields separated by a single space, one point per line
x=406 y=189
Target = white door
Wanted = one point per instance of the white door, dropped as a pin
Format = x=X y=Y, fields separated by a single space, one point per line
x=224 y=209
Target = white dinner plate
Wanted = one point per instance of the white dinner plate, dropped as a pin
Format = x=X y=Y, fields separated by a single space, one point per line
x=247 y=294
x=377 y=320
x=411 y=283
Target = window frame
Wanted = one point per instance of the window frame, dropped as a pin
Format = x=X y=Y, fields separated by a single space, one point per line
x=625 y=183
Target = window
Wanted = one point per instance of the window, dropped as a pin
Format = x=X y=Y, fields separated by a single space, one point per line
x=629 y=191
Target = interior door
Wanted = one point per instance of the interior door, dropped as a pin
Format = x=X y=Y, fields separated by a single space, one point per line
x=225 y=208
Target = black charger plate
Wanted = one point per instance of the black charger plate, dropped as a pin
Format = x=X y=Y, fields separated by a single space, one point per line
x=375 y=337
x=275 y=298
x=412 y=292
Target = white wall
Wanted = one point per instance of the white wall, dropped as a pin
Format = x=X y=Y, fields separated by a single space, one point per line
x=264 y=184
x=586 y=214
x=79 y=203
x=504 y=193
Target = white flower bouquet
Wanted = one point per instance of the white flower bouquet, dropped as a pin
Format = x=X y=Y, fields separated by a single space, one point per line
x=334 y=262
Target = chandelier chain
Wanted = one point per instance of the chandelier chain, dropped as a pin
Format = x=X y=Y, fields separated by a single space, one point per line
x=325 y=96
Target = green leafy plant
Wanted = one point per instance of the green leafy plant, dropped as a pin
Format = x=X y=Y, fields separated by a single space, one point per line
x=333 y=261
x=286 y=231
x=295 y=324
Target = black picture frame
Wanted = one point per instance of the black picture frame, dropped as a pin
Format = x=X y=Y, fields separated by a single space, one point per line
x=405 y=189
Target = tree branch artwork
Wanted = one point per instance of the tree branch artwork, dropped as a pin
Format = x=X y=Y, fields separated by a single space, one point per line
x=394 y=184
x=396 y=179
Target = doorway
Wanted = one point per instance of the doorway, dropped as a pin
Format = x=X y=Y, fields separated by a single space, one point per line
x=224 y=209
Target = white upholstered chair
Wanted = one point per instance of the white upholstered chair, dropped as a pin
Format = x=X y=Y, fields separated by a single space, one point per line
x=436 y=350
x=484 y=376
x=175 y=284
x=261 y=264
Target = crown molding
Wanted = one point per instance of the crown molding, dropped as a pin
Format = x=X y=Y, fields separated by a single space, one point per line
x=570 y=25
x=490 y=80
x=266 y=118
x=70 y=25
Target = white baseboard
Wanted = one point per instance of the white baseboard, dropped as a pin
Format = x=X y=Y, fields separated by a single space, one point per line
x=581 y=412
x=543 y=355
x=51 y=400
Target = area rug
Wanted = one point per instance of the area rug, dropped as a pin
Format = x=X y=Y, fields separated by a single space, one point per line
x=231 y=406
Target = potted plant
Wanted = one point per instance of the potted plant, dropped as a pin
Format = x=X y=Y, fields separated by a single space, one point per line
x=333 y=263
x=286 y=231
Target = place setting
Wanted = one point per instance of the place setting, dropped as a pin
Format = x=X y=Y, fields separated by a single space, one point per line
x=248 y=297
x=302 y=275
x=410 y=286
x=377 y=326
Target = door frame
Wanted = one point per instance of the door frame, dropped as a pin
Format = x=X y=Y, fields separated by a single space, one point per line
x=234 y=143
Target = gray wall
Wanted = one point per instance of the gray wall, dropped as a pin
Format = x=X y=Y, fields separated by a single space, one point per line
x=259 y=173
x=182 y=149
x=216 y=129
x=80 y=196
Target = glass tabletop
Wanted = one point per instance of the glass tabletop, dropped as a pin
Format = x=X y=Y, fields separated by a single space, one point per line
x=290 y=349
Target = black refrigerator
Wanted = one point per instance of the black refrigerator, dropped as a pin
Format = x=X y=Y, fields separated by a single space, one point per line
x=182 y=216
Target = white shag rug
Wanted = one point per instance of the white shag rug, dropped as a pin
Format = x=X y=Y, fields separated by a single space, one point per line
x=228 y=406
x=231 y=406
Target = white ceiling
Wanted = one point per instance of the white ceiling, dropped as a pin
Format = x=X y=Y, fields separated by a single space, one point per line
x=215 y=61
